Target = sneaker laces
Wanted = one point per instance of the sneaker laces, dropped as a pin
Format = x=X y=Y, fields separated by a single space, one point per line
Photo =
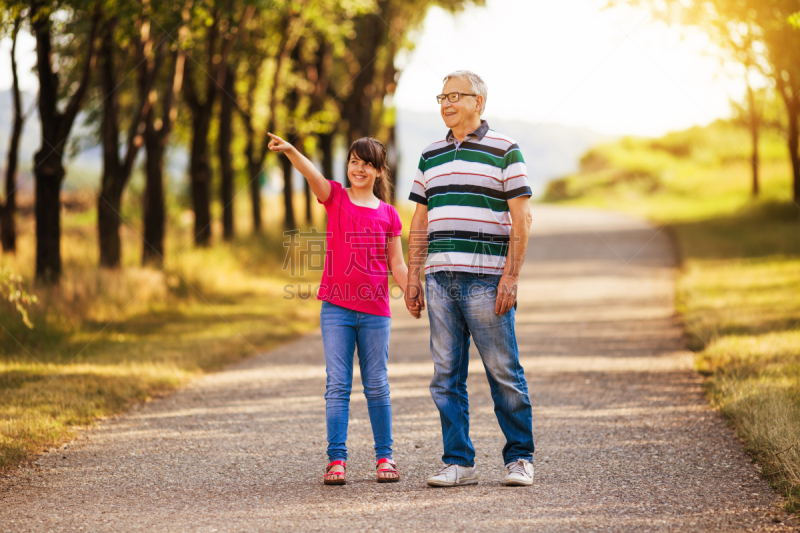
x=517 y=467
x=447 y=468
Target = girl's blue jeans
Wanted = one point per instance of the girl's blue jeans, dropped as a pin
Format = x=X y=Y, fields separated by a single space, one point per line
x=344 y=330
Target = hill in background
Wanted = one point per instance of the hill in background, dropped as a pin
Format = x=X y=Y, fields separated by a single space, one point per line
x=550 y=150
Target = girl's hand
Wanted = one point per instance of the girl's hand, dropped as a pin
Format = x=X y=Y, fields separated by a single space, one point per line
x=316 y=181
x=278 y=145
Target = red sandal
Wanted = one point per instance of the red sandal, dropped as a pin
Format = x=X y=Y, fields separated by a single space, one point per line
x=327 y=477
x=391 y=470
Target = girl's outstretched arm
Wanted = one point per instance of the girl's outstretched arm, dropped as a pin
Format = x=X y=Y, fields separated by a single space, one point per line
x=316 y=181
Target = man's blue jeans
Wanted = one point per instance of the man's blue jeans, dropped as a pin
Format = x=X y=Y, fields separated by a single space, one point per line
x=342 y=331
x=460 y=304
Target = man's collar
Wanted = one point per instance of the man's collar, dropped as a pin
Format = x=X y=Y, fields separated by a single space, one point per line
x=482 y=130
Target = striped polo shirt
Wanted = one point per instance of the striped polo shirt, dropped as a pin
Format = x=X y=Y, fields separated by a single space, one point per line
x=466 y=187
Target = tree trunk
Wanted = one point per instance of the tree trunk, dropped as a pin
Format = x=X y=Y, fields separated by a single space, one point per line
x=49 y=174
x=252 y=75
x=754 y=163
x=288 y=205
x=116 y=168
x=224 y=140
x=110 y=198
x=326 y=154
x=256 y=156
x=309 y=217
x=55 y=129
x=217 y=49
x=108 y=222
x=292 y=101
x=154 y=208
x=199 y=168
x=754 y=122
x=393 y=161
x=8 y=232
x=155 y=144
x=358 y=106
x=200 y=179
x=793 y=109
x=306 y=188
x=254 y=172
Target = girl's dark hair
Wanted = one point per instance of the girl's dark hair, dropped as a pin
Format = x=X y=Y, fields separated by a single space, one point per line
x=373 y=152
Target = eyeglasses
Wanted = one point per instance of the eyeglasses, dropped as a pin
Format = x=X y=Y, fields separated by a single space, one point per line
x=452 y=97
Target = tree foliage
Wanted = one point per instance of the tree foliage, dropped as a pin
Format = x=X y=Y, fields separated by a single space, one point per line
x=223 y=72
x=763 y=35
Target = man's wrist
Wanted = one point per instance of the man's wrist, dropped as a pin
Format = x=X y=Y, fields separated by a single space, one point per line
x=414 y=272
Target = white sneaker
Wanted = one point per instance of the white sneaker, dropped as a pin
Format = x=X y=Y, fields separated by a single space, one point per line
x=455 y=476
x=520 y=473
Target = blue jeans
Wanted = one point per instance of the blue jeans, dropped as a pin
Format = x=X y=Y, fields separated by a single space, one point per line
x=342 y=331
x=460 y=304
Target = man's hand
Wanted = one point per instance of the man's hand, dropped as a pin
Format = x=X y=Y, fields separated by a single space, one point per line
x=506 y=295
x=415 y=298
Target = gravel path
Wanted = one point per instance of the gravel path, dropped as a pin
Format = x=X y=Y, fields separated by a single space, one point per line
x=624 y=439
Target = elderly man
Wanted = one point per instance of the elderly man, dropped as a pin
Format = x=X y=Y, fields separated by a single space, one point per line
x=472 y=222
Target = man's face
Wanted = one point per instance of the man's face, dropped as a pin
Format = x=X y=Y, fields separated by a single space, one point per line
x=468 y=108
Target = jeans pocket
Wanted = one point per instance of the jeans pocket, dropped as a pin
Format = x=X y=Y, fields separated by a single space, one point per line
x=435 y=285
x=483 y=288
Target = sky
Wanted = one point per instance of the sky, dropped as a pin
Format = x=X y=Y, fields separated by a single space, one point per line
x=615 y=71
x=567 y=61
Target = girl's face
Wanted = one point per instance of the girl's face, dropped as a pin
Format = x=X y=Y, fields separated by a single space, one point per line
x=362 y=175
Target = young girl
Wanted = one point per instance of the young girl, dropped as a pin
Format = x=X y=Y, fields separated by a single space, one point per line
x=363 y=232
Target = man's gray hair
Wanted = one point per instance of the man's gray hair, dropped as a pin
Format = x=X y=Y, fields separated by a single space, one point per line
x=478 y=85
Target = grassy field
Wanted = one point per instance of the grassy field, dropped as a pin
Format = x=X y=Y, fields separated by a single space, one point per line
x=739 y=289
x=105 y=339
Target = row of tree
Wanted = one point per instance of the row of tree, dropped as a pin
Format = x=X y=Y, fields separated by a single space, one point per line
x=764 y=36
x=139 y=69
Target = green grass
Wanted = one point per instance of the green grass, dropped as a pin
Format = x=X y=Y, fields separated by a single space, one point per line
x=739 y=289
x=105 y=339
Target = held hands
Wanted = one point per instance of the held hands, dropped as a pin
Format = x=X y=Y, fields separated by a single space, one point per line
x=415 y=298
x=279 y=145
x=506 y=295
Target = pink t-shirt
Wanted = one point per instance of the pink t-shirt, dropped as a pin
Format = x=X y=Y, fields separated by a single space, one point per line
x=356 y=258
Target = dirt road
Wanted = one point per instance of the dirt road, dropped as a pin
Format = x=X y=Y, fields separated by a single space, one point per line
x=624 y=438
